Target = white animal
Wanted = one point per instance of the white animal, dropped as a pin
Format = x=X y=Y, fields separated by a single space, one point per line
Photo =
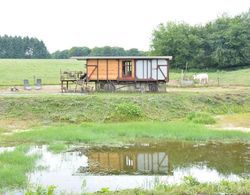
x=202 y=78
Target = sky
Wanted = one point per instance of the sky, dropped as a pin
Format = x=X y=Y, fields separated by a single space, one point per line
x=62 y=24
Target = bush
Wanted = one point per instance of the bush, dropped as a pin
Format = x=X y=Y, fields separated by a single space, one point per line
x=128 y=110
x=201 y=118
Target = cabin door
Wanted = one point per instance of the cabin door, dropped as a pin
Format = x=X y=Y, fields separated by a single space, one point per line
x=127 y=69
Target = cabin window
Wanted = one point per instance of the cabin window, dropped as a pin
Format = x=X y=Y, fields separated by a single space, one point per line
x=127 y=68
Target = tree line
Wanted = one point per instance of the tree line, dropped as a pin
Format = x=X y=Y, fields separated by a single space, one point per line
x=222 y=43
x=30 y=48
x=22 y=47
x=96 y=51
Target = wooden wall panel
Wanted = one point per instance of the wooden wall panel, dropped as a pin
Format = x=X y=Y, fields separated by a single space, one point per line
x=133 y=68
x=102 y=69
x=112 y=69
x=120 y=69
x=90 y=68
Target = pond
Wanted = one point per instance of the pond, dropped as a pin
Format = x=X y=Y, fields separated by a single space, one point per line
x=88 y=169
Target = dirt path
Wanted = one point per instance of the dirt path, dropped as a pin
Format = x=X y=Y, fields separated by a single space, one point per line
x=56 y=89
x=45 y=89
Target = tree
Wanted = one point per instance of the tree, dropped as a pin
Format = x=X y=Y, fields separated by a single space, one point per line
x=179 y=40
x=79 y=51
x=220 y=44
x=18 y=47
x=229 y=41
x=134 y=52
x=61 y=54
x=97 y=51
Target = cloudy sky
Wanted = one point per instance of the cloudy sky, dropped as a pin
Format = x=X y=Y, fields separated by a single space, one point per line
x=62 y=24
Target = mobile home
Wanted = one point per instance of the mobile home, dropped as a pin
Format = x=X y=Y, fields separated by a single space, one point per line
x=113 y=73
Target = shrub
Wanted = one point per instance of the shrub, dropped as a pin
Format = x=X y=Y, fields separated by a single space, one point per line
x=128 y=110
x=201 y=117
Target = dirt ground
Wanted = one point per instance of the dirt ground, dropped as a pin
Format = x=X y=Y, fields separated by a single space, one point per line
x=20 y=90
x=56 y=89
x=209 y=89
x=239 y=122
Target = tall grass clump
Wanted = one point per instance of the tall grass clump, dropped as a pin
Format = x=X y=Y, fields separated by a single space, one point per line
x=201 y=118
x=14 y=167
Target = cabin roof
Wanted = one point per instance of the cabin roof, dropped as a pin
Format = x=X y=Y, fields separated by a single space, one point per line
x=119 y=57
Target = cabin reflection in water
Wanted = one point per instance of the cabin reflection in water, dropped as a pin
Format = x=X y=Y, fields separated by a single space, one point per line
x=129 y=163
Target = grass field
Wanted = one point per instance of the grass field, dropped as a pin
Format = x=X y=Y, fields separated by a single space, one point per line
x=127 y=116
x=230 y=77
x=129 y=132
x=115 y=107
x=13 y=71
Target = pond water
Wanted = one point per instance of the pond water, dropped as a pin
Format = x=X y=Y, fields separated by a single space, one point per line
x=88 y=169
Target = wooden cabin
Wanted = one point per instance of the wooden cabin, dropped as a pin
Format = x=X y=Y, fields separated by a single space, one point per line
x=111 y=73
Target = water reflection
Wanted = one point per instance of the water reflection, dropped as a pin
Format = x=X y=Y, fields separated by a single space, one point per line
x=128 y=162
x=92 y=168
x=163 y=159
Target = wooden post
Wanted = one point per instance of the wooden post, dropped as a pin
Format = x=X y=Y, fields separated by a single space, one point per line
x=61 y=86
x=218 y=78
x=118 y=69
x=168 y=69
x=157 y=71
x=97 y=75
x=182 y=75
x=107 y=69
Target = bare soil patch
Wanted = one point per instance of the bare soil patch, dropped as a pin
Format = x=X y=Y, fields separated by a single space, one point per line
x=238 y=122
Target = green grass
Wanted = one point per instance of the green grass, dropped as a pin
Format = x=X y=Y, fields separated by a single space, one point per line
x=223 y=187
x=57 y=147
x=46 y=110
x=14 y=71
x=14 y=167
x=189 y=186
x=105 y=133
x=106 y=111
x=230 y=77
x=201 y=117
